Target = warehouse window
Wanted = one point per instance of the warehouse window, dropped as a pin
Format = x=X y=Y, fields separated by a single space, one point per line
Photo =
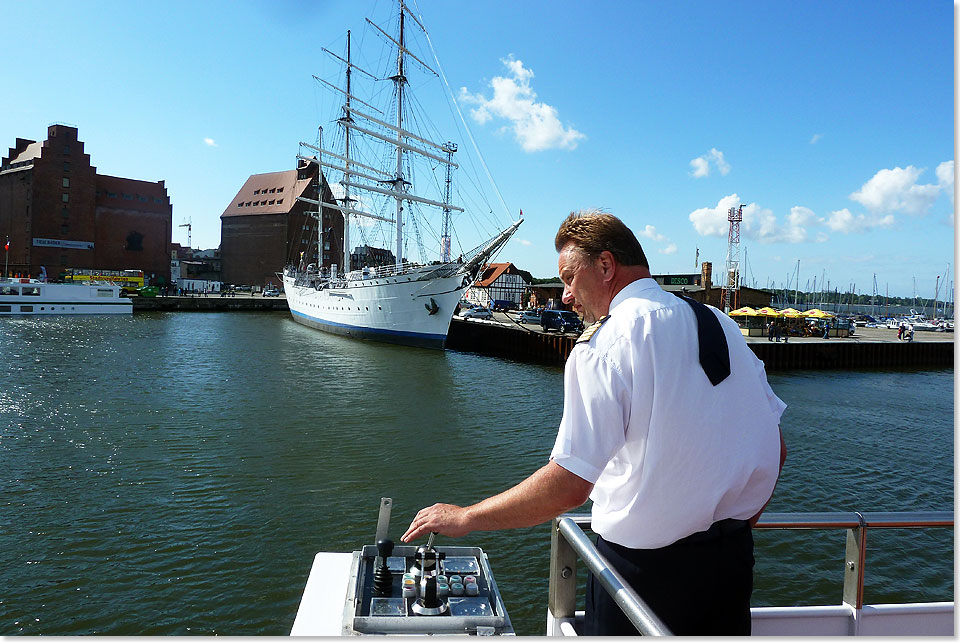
x=66 y=198
x=66 y=182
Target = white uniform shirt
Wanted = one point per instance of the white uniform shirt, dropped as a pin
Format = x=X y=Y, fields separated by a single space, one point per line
x=668 y=452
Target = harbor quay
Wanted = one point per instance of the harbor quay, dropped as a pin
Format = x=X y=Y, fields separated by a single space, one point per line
x=210 y=302
x=868 y=348
x=503 y=337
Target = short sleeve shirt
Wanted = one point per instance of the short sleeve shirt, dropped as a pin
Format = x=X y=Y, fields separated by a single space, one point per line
x=668 y=452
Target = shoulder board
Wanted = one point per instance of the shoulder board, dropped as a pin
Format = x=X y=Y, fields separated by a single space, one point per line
x=589 y=332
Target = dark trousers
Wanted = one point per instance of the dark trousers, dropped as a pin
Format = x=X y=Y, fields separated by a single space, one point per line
x=699 y=585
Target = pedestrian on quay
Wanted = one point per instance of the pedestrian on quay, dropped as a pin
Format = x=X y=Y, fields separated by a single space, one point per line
x=770 y=331
x=669 y=426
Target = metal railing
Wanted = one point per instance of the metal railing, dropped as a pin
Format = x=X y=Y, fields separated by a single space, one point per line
x=568 y=542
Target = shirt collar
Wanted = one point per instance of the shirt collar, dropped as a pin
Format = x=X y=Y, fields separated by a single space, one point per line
x=633 y=289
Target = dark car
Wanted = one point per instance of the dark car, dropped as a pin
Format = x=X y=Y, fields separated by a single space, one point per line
x=529 y=316
x=503 y=305
x=562 y=320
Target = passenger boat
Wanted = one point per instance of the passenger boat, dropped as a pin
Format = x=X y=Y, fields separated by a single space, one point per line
x=346 y=593
x=370 y=181
x=32 y=297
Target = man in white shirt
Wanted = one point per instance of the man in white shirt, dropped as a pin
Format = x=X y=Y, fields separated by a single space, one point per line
x=669 y=426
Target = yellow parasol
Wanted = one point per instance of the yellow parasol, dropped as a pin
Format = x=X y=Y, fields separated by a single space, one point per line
x=768 y=312
x=790 y=312
x=745 y=311
x=817 y=313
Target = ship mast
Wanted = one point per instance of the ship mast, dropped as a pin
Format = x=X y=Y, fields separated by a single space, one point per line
x=346 y=153
x=399 y=185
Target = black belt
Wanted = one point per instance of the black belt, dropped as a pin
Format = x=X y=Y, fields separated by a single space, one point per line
x=716 y=530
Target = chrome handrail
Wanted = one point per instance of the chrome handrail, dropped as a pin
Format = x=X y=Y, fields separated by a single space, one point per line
x=568 y=541
x=636 y=610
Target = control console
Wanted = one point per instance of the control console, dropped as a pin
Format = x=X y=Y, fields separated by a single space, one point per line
x=406 y=589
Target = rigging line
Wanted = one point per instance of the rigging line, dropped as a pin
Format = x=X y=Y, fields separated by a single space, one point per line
x=443 y=76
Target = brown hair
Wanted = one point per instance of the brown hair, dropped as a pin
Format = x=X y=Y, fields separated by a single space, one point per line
x=594 y=231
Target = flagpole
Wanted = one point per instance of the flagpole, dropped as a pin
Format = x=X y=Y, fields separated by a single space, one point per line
x=6 y=256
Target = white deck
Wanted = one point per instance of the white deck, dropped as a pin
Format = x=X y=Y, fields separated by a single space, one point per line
x=321 y=607
x=324 y=596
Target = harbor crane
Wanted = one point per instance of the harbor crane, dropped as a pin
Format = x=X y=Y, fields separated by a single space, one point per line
x=189 y=225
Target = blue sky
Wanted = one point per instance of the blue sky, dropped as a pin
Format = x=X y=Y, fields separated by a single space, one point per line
x=832 y=123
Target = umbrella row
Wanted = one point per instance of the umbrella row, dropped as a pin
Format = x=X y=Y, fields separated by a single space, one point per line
x=789 y=313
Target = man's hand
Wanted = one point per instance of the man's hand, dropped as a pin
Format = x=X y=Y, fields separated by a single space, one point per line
x=445 y=519
x=548 y=492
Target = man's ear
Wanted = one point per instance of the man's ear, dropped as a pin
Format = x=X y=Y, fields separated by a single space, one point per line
x=607 y=264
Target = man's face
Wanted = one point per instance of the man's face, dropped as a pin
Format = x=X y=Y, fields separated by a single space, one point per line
x=583 y=283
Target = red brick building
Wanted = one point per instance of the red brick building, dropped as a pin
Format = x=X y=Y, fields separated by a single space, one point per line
x=265 y=227
x=59 y=213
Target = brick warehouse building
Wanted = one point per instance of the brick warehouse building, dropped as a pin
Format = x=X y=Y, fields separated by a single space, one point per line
x=265 y=227
x=60 y=213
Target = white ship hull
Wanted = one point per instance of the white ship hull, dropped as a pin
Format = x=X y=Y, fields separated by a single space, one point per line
x=396 y=309
x=28 y=297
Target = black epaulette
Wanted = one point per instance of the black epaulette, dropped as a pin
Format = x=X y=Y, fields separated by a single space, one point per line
x=589 y=332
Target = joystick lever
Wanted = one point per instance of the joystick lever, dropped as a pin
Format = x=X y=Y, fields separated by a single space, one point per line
x=382 y=578
x=427 y=566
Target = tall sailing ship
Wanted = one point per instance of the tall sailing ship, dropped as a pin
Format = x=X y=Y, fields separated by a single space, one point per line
x=376 y=163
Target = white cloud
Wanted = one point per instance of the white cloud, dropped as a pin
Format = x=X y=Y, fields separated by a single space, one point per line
x=670 y=249
x=712 y=221
x=651 y=233
x=701 y=164
x=945 y=177
x=896 y=190
x=846 y=222
x=816 y=138
x=209 y=142
x=524 y=242
x=535 y=125
x=759 y=223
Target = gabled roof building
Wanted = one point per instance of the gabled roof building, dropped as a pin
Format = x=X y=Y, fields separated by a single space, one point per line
x=265 y=227
x=499 y=282
x=59 y=213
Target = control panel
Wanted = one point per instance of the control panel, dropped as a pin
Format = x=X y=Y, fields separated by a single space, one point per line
x=407 y=589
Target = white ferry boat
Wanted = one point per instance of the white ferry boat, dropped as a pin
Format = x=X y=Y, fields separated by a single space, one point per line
x=384 y=589
x=31 y=297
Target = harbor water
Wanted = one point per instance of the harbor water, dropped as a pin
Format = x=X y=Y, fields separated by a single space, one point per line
x=175 y=473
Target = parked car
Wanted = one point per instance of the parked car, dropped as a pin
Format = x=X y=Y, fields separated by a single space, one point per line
x=503 y=305
x=271 y=292
x=529 y=316
x=477 y=313
x=562 y=320
x=148 y=291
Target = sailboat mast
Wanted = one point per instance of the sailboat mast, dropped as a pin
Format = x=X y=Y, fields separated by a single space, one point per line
x=399 y=181
x=346 y=153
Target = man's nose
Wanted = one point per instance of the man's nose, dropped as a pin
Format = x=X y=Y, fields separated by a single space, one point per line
x=567 y=296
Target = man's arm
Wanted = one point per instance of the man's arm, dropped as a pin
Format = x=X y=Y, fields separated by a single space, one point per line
x=783 y=457
x=549 y=492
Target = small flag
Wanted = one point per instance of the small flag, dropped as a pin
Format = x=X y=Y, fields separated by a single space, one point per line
x=696 y=261
x=521 y=213
x=6 y=246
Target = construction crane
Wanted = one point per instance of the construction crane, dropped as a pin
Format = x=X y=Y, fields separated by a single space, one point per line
x=189 y=226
